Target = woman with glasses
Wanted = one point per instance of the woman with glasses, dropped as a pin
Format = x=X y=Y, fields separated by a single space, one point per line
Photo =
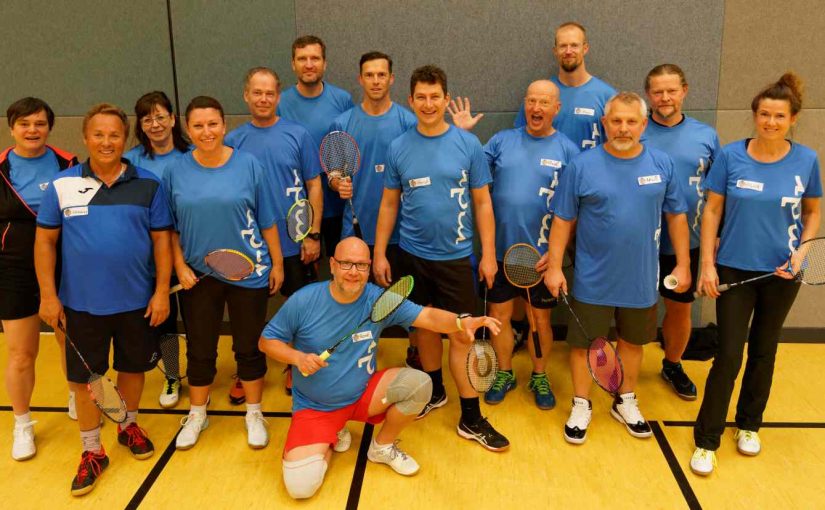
x=160 y=141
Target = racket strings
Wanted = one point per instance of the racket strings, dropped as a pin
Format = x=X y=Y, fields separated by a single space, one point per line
x=520 y=265
x=482 y=366
x=812 y=268
x=391 y=299
x=339 y=154
x=170 y=356
x=604 y=365
x=230 y=264
x=108 y=397
x=299 y=220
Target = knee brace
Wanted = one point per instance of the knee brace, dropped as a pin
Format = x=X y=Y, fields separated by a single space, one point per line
x=304 y=477
x=409 y=391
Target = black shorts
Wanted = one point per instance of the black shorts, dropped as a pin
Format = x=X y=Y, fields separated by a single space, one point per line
x=331 y=234
x=297 y=275
x=445 y=284
x=135 y=343
x=19 y=291
x=636 y=326
x=504 y=291
x=666 y=265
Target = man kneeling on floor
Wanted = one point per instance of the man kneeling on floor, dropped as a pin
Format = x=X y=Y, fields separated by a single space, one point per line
x=346 y=386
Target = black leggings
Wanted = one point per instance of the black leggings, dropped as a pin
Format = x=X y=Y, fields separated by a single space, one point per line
x=202 y=307
x=769 y=301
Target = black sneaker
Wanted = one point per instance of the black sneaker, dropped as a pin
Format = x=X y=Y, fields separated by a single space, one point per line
x=135 y=438
x=626 y=410
x=484 y=433
x=435 y=402
x=91 y=466
x=678 y=379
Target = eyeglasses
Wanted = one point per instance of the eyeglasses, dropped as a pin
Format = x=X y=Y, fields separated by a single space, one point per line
x=160 y=119
x=346 y=265
x=544 y=103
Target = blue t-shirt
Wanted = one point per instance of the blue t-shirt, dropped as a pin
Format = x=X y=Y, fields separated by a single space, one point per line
x=157 y=164
x=107 y=245
x=618 y=204
x=31 y=176
x=290 y=157
x=223 y=208
x=693 y=146
x=436 y=175
x=373 y=134
x=316 y=114
x=582 y=109
x=763 y=204
x=313 y=321
x=526 y=171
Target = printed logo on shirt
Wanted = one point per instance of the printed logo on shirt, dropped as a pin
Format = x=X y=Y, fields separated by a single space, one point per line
x=75 y=211
x=43 y=186
x=751 y=185
x=84 y=190
x=379 y=169
x=361 y=336
x=584 y=111
x=552 y=163
x=421 y=181
x=650 y=179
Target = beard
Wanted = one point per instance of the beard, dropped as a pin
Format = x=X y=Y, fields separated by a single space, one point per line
x=569 y=67
x=622 y=145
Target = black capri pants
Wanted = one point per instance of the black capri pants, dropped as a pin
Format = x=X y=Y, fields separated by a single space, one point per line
x=769 y=301
x=202 y=308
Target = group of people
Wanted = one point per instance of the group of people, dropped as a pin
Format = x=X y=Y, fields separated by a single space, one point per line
x=632 y=190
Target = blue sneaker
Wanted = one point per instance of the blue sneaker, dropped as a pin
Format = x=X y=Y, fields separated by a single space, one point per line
x=505 y=381
x=540 y=387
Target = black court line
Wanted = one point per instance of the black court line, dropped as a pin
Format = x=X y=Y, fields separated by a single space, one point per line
x=675 y=468
x=153 y=475
x=767 y=425
x=179 y=412
x=360 y=467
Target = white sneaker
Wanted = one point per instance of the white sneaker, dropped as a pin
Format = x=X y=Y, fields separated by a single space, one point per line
x=394 y=457
x=344 y=440
x=626 y=410
x=575 y=430
x=748 y=442
x=72 y=409
x=23 y=447
x=192 y=427
x=256 y=434
x=703 y=461
x=170 y=393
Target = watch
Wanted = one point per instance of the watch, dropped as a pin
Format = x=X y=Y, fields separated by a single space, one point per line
x=315 y=236
x=458 y=320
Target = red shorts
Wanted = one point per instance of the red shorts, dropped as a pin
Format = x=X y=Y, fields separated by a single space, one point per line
x=309 y=426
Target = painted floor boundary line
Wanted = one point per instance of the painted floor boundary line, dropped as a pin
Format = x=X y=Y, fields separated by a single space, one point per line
x=153 y=475
x=360 y=468
x=675 y=468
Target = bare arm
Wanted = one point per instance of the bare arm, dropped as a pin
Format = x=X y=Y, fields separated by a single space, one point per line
x=387 y=215
x=486 y=224
x=273 y=242
x=711 y=217
x=311 y=250
x=158 y=308
x=282 y=351
x=442 y=321
x=560 y=232
x=677 y=227
x=45 y=259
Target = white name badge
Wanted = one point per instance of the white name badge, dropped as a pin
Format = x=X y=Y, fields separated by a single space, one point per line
x=379 y=169
x=751 y=185
x=650 y=179
x=421 y=181
x=552 y=163
x=43 y=186
x=584 y=111
x=363 y=335
x=75 y=211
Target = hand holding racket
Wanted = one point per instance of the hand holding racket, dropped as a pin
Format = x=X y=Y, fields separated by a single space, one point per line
x=388 y=302
x=520 y=263
x=806 y=265
x=482 y=362
x=103 y=391
x=230 y=265
x=341 y=159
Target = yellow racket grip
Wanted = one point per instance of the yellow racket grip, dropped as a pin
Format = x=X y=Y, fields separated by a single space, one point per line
x=324 y=355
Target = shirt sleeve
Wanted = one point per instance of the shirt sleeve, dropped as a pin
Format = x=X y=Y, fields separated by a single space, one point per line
x=48 y=215
x=310 y=161
x=392 y=176
x=814 y=187
x=479 y=169
x=406 y=314
x=283 y=326
x=565 y=203
x=491 y=151
x=265 y=209
x=716 y=181
x=160 y=215
x=674 y=202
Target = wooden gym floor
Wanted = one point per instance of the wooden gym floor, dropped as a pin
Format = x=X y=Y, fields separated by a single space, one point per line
x=539 y=471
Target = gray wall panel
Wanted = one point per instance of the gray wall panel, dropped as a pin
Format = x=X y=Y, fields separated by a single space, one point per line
x=75 y=54
x=216 y=42
x=492 y=50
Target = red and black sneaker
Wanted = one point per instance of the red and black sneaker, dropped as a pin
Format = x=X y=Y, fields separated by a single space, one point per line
x=237 y=395
x=91 y=466
x=136 y=439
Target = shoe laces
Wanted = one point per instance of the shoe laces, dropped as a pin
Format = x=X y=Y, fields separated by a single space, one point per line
x=540 y=384
x=748 y=435
x=256 y=416
x=502 y=378
x=89 y=462
x=703 y=455
x=171 y=386
x=677 y=374
x=193 y=418
x=580 y=414
x=136 y=436
x=629 y=409
x=394 y=451
x=19 y=428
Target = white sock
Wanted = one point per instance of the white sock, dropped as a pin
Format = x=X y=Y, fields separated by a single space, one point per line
x=253 y=407
x=131 y=417
x=198 y=409
x=23 y=419
x=90 y=439
x=379 y=446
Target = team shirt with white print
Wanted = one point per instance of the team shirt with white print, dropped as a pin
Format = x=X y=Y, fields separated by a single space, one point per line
x=223 y=208
x=31 y=176
x=693 y=146
x=373 y=134
x=436 y=176
x=526 y=170
x=289 y=157
x=763 y=204
x=582 y=109
x=618 y=204
x=156 y=164
x=313 y=321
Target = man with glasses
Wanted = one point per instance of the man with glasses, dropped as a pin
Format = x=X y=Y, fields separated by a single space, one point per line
x=347 y=386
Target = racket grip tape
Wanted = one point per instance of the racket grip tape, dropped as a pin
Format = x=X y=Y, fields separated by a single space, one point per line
x=720 y=288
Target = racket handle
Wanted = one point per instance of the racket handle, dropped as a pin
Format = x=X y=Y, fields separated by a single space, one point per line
x=537 y=344
x=324 y=355
x=720 y=288
x=176 y=288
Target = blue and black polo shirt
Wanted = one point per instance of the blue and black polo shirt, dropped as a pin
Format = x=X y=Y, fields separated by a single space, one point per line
x=107 y=245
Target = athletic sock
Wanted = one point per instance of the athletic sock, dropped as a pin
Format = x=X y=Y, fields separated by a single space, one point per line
x=90 y=439
x=470 y=410
x=22 y=419
x=198 y=409
x=438 y=382
x=250 y=408
x=131 y=417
